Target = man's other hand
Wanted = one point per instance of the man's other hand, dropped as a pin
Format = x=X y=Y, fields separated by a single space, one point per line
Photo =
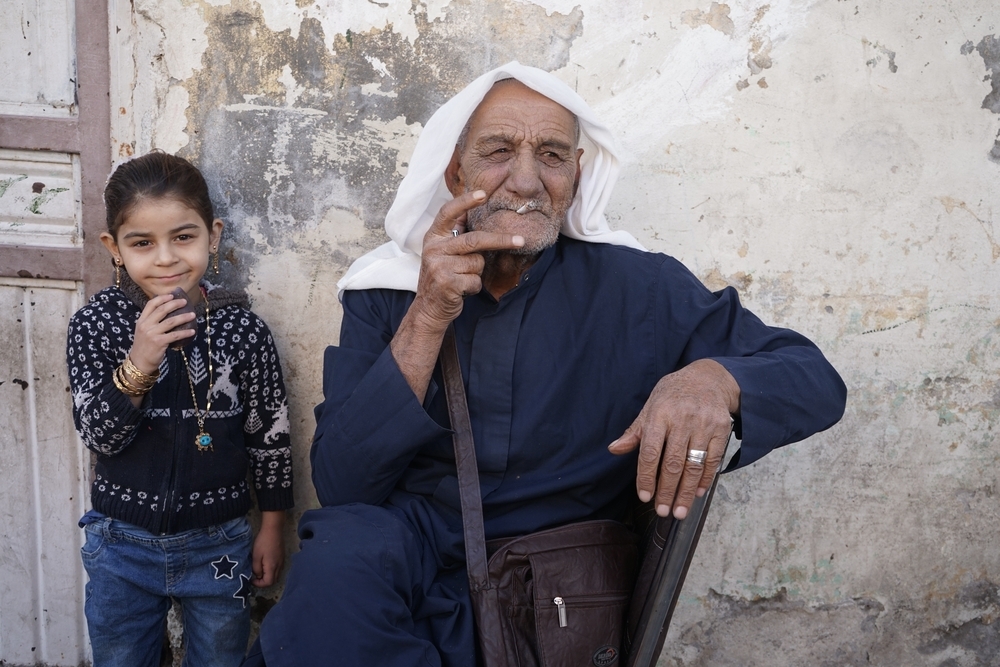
x=687 y=410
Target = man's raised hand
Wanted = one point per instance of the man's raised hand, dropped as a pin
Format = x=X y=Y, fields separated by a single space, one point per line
x=688 y=410
x=451 y=267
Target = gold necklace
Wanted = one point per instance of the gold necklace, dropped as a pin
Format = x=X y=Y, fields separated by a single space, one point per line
x=203 y=441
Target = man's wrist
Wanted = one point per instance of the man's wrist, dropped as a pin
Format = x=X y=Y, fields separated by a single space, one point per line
x=728 y=386
x=423 y=324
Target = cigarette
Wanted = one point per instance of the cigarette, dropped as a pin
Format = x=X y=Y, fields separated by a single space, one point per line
x=528 y=206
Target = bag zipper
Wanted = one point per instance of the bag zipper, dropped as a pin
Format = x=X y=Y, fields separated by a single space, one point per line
x=584 y=601
x=561 y=608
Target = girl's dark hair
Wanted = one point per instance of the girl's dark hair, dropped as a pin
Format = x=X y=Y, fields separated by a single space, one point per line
x=156 y=175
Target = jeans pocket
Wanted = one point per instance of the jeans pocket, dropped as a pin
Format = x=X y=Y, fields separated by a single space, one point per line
x=95 y=539
x=232 y=531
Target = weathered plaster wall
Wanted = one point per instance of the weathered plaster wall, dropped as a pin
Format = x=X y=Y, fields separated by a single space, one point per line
x=836 y=161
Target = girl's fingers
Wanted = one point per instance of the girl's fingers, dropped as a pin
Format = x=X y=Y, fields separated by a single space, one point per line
x=158 y=327
x=161 y=316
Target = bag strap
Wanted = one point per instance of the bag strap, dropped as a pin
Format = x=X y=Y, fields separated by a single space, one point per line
x=465 y=462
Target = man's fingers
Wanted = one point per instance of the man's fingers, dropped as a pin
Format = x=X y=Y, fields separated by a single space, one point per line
x=713 y=462
x=452 y=214
x=452 y=217
x=628 y=441
x=685 y=491
x=701 y=463
x=475 y=242
x=650 y=451
x=671 y=467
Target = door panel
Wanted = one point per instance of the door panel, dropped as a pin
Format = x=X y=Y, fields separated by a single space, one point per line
x=38 y=59
x=40 y=199
x=44 y=470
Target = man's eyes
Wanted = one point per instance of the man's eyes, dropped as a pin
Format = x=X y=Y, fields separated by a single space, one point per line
x=553 y=158
x=550 y=157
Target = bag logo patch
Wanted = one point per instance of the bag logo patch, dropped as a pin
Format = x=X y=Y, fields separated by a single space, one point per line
x=605 y=656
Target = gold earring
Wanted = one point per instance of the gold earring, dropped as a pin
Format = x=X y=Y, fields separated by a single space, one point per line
x=215 y=260
x=118 y=272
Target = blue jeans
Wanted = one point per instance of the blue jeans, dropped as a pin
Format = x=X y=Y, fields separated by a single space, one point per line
x=134 y=574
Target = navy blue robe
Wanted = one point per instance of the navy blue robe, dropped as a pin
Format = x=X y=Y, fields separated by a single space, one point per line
x=555 y=371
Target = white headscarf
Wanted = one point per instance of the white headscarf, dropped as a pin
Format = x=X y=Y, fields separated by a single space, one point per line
x=396 y=264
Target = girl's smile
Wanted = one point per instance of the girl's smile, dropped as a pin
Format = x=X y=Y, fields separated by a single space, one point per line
x=164 y=244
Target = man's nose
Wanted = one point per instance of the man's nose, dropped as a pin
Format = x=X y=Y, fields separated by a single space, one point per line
x=524 y=178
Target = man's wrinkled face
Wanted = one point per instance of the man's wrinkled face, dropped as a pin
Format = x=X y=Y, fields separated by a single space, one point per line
x=520 y=149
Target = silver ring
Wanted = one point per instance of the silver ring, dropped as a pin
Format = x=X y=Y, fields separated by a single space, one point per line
x=455 y=233
x=697 y=456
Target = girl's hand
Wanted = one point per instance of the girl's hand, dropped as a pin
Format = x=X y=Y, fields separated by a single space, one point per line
x=153 y=332
x=268 y=549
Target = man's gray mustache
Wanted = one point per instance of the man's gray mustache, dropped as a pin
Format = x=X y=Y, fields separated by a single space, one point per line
x=520 y=208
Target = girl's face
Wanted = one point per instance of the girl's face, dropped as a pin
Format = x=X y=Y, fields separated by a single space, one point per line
x=164 y=244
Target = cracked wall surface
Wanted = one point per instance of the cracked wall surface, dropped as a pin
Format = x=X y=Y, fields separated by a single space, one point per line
x=837 y=162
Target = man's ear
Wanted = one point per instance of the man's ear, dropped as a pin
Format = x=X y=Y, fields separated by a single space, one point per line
x=453 y=178
x=576 y=179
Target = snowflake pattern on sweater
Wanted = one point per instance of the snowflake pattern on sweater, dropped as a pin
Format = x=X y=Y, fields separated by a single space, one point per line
x=247 y=392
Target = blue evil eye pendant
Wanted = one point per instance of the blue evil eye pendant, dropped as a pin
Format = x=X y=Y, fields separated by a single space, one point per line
x=203 y=441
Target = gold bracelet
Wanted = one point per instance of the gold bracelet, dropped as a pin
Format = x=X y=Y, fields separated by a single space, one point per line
x=132 y=381
x=137 y=389
x=124 y=386
x=140 y=377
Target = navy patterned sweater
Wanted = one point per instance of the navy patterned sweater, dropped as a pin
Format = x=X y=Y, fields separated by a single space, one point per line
x=149 y=471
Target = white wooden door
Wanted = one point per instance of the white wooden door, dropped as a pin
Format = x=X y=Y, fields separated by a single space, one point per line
x=54 y=157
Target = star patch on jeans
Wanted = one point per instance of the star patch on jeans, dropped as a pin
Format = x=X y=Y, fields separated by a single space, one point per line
x=246 y=590
x=224 y=567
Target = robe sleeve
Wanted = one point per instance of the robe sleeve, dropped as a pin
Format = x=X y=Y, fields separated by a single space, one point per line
x=788 y=390
x=370 y=424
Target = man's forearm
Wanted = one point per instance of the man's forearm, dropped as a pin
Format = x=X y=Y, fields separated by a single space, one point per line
x=368 y=428
x=415 y=347
x=787 y=394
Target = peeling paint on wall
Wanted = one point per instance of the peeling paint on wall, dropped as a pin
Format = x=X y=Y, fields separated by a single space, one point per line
x=716 y=17
x=989 y=50
x=302 y=128
x=880 y=51
x=717 y=53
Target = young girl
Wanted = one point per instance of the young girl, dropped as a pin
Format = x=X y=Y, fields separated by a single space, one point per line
x=177 y=405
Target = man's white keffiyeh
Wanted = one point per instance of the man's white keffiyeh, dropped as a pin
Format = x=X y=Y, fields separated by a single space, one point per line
x=396 y=264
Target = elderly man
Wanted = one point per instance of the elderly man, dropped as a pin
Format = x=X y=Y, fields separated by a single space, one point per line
x=592 y=369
